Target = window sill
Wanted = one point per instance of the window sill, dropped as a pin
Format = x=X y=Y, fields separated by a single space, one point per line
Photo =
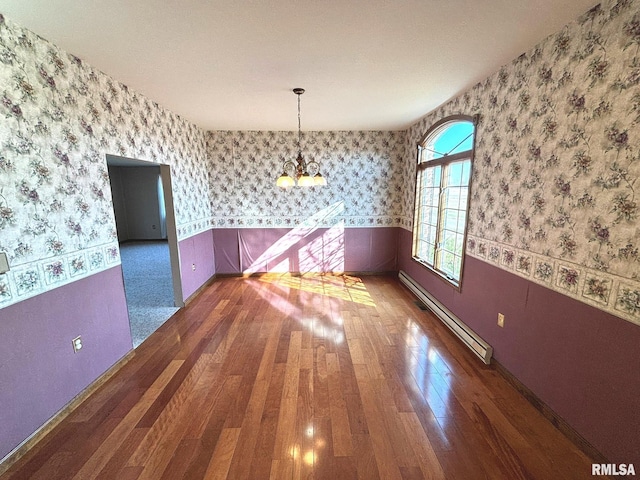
x=449 y=281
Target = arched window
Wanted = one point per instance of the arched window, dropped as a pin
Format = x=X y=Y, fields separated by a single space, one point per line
x=445 y=157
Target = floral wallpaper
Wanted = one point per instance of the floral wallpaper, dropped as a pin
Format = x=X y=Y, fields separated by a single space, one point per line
x=553 y=193
x=59 y=119
x=364 y=172
x=558 y=161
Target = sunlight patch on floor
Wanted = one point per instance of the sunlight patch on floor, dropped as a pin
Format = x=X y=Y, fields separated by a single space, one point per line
x=342 y=286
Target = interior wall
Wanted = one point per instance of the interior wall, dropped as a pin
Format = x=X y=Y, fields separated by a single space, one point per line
x=573 y=356
x=197 y=262
x=561 y=101
x=301 y=250
x=60 y=121
x=136 y=202
x=553 y=186
x=348 y=225
x=58 y=228
x=553 y=225
x=364 y=173
x=40 y=372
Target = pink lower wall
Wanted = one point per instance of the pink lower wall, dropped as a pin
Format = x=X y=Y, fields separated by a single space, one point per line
x=252 y=250
x=196 y=251
x=582 y=362
x=39 y=372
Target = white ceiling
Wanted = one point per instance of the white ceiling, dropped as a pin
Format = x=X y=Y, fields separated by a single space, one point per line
x=231 y=64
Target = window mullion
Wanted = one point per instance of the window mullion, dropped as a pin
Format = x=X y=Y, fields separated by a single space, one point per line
x=440 y=223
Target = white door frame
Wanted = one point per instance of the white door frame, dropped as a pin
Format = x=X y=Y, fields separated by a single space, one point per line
x=172 y=234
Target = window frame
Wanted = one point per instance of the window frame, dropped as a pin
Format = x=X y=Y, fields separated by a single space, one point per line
x=443 y=161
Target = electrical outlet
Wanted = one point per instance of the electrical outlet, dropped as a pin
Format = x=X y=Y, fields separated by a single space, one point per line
x=153 y=227
x=193 y=267
x=500 y=320
x=77 y=344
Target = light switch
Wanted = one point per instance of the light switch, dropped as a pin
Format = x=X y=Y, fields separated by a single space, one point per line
x=4 y=263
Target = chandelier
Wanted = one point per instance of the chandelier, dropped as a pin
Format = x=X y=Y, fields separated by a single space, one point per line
x=307 y=174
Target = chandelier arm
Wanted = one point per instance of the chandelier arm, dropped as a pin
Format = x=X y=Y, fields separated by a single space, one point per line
x=290 y=168
x=313 y=167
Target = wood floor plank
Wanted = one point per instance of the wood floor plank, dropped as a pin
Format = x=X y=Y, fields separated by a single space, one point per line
x=284 y=448
x=340 y=427
x=427 y=458
x=240 y=466
x=94 y=464
x=382 y=447
x=222 y=455
x=161 y=443
x=164 y=414
x=355 y=349
x=265 y=443
x=321 y=386
x=309 y=376
x=305 y=434
x=324 y=459
x=364 y=457
x=129 y=473
x=181 y=459
x=119 y=459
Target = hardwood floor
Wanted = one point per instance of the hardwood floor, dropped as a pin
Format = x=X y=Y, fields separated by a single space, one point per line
x=285 y=377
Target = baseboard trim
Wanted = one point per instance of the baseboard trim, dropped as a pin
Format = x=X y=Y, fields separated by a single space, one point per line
x=556 y=420
x=21 y=450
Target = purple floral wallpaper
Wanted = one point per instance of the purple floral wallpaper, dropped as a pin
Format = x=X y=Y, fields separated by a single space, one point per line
x=553 y=194
x=364 y=172
x=59 y=117
x=558 y=161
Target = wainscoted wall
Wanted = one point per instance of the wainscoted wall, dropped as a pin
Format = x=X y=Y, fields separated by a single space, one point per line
x=305 y=249
x=574 y=357
x=553 y=181
x=40 y=372
x=60 y=118
x=348 y=225
x=557 y=159
x=553 y=232
x=197 y=264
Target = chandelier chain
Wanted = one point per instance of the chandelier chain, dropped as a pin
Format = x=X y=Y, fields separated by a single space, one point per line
x=299 y=171
x=299 y=127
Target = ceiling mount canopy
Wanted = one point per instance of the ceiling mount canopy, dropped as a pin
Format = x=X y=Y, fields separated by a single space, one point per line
x=306 y=174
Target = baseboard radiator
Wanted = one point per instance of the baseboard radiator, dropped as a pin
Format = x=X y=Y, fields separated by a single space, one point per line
x=476 y=344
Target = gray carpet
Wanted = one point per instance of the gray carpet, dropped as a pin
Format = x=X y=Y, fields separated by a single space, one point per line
x=148 y=287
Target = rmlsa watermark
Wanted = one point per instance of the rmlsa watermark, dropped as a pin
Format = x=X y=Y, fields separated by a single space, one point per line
x=622 y=469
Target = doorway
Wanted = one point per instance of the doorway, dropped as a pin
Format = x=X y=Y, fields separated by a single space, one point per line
x=145 y=224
